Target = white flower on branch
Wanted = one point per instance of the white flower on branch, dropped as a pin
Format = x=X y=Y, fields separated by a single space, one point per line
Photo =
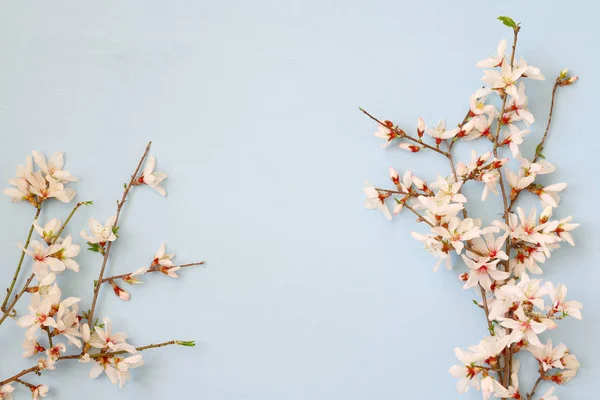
x=491 y=246
x=53 y=168
x=495 y=60
x=504 y=80
x=439 y=133
x=483 y=272
x=6 y=392
x=44 y=258
x=518 y=106
x=478 y=106
x=558 y=295
x=21 y=191
x=39 y=391
x=530 y=72
x=438 y=248
x=376 y=200
x=548 y=356
x=151 y=178
x=116 y=368
x=67 y=322
x=38 y=317
x=528 y=290
x=386 y=132
x=54 y=352
x=32 y=347
x=48 y=231
x=100 y=234
x=513 y=138
x=47 y=188
x=458 y=231
x=449 y=190
x=549 y=194
x=105 y=340
x=524 y=328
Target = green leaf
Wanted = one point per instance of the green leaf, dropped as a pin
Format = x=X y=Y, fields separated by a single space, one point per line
x=94 y=247
x=115 y=230
x=508 y=21
x=87 y=203
x=538 y=149
x=189 y=343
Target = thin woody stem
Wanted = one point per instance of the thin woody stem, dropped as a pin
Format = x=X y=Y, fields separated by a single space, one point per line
x=109 y=246
x=487 y=310
x=403 y=134
x=18 y=270
x=73 y=211
x=540 y=147
x=537 y=383
x=30 y=279
x=421 y=217
x=152 y=269
x=464 y=210
x=47 y=329
x=37 y=369
x=99 y=355
x=451 y=159
x=16 y=299
x=507 y=351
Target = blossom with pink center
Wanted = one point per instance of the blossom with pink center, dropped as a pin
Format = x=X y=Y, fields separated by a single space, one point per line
x=483 y=272
x=524 y=328
x=105 y=339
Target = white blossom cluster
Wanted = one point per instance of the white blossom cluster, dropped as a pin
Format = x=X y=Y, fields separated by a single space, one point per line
x=497 y=259
x=54 y=323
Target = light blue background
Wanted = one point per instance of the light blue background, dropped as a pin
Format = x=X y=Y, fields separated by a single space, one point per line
x=252 y=107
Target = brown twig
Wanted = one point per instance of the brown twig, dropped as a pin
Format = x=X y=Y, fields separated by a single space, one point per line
x=155 y=268
x=487 y=310
x=18 y=270
x=403 y=134
x=537 y=383
x=109 y=245
x=540 y=147
x=508 y=351
x=37 y=369
x=16 y=299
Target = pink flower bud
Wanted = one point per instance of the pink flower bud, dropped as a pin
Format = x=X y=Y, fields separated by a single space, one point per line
x=571 y=80
x=419 y=183
x=409 y=147
x=420 y=127
x=122 y=294
x=394 y=176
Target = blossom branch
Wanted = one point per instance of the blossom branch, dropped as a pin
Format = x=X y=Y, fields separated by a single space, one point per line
x=18 y=270
x=540 y=146
x=535 y=386
x=38 y=370
x=487 y=310
x=109 y=246
x=16 y=299
x=11 y=306
x=401 y=134
x=510 y=297
x=155 y=268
